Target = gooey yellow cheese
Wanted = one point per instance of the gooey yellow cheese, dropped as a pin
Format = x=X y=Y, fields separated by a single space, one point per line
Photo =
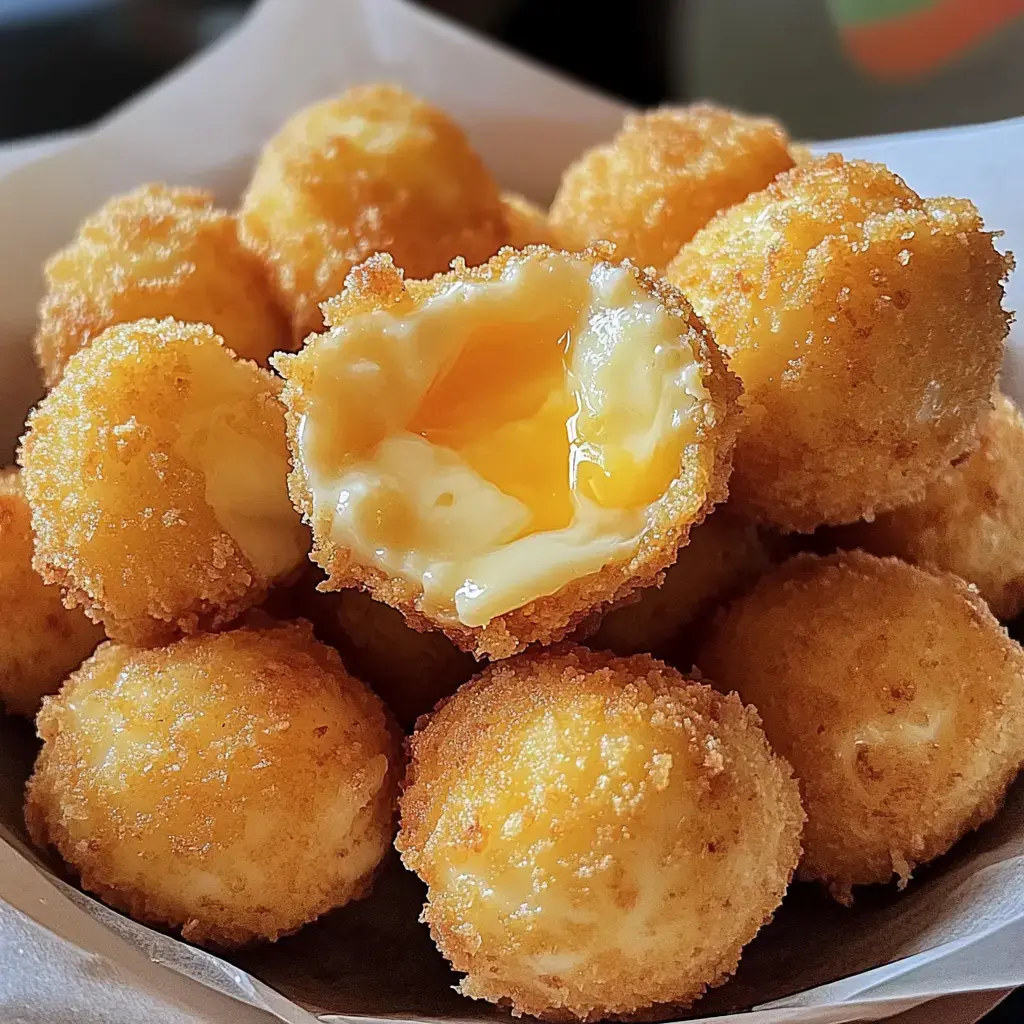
x=501 y=438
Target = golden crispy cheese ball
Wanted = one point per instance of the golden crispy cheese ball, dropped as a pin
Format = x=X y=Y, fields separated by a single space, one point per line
x=41 y=641
x=895 y=695
x=722 y=554
x=156 y=252
x=663 y=177
x=866 y=326
x=598 y=835
x=525 y=222
x=971 y=519
x=373 y=170
x=156 y=471
x=501 y=451
x=233 y=786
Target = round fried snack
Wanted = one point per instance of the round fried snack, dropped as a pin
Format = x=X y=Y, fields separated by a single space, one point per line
x=156 y=252
x=895 y=695
x=971 y=519
x=500 y=451
x=866 y=326
x=598 y=835
x=233 y=786
x=663 y=177
x=41 y=641
x=156 y=472
x=525 y=222
x=722 y=554
x=373 y=170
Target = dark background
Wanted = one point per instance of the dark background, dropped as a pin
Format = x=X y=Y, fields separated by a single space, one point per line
x=63 y=63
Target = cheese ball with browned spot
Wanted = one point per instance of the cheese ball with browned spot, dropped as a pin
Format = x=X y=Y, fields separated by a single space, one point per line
x=866 y=325
x=375 y=169
x=598 y=835
x=231 y=786
x=156 y=471
x=156 y=252
x=895 y=695
x=41 y=641
x=663 y=177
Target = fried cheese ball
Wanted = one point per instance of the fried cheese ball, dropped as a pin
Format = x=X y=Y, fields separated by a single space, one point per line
x=373 y=170
x=525 y=222
x=971 y=519
x=156 y=471
x=156 y=252
x=663 y=177
x=895 y=695
x=430 y=434
x=722 y=554
x=233 y=786
x=598 y=835
x=866 y=326
x=41 y=641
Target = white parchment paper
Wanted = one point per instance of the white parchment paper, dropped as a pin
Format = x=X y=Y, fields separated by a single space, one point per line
x=958 y=931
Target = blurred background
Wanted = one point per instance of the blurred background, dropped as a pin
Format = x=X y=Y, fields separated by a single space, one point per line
x=827 y=68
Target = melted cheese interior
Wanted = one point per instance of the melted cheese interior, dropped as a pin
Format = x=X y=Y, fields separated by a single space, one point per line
x=502 y=438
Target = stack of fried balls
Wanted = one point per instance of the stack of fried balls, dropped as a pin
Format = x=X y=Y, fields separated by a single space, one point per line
x=673 y=525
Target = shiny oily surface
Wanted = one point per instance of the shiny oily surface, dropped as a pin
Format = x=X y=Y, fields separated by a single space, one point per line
x=492 y=437
x=233 y=786
x=598 y=835
x=895 y=695
x=156 y=471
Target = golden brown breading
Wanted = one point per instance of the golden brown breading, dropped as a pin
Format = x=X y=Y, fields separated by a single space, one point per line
x=663 y=177
x=373 y=170
x=232 y=786
x=971 y=519
x=598 y=835
x=156 y=472
x=41 y=641
x=377 y=288
x=156 y=252
x=866 y=326
x=525 y=222
x=896 y=696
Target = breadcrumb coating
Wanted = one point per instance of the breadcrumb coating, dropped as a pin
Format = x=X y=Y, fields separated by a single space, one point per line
x=598 y=835
x=895 y=695
x=155 y=252
x=663 y=177
x=866 y=325
x=970 y=521
x=156 y=473
x=525 y=222
x=701 y=483
x=373 y=170
x=41 y=641
x=232 y=786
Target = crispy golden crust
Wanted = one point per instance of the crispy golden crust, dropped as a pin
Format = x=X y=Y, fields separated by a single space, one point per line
x=598 y=835
x=663 y=177
x=896 y=696
x=525 y=222
x=156 y=252
x=701 y=484
x=373 y=170
x=135 y=468
x=232 y=786
x=971 y=519
x=41 y=641
x=866 y=326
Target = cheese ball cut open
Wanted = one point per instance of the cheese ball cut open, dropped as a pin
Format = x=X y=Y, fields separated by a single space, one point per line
x=971 y=519
x=599 y=835
x=895 y=695
x=41 y=641
x=663 y=177
x=866 y=325
x=500 y=451
x=156 y=252
x=233 y=786
x=157 y=475
x=375 y=169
